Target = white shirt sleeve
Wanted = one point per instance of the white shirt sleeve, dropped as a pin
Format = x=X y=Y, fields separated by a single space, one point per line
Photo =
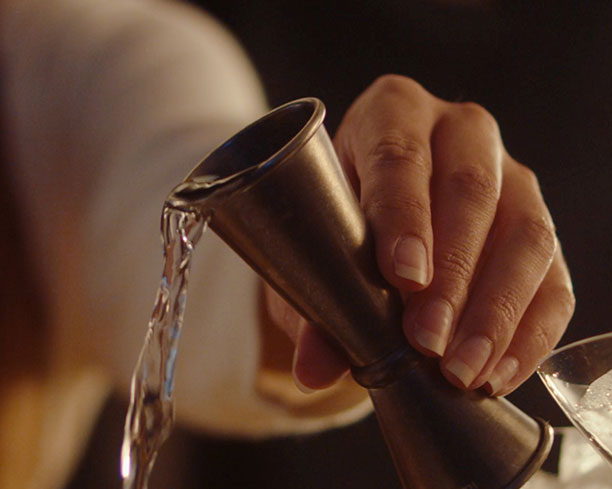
x=108 y=105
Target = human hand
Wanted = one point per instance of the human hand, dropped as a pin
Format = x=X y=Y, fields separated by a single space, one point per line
x=462 y=231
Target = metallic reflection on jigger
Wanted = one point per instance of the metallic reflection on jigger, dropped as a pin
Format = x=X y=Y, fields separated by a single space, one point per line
x=279 y=198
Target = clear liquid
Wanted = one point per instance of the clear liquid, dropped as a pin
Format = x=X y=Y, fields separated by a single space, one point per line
x=589 y=407
x=150 y=416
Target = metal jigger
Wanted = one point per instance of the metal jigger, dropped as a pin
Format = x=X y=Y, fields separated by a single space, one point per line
x=278 y=197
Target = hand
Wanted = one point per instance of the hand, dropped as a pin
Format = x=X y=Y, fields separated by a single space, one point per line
x=462 y=231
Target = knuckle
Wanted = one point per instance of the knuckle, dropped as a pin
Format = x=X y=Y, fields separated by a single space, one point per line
x=477 y=183
x=394 y=149
x=386 y=204
x=391 y=83
x=528 y=175
x=456 y=264
x=541 y=340
x=568 y=301
x=506 y=305
x=539 y=233
x=544 y=334
x=476 y=115
x=565 y=300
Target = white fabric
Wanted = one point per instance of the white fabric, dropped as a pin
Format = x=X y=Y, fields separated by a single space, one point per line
x=108 y=104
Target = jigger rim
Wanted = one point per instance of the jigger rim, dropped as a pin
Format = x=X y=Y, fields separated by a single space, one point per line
x=199 y=184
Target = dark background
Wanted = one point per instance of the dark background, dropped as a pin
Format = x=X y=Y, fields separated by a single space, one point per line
x=542 y=68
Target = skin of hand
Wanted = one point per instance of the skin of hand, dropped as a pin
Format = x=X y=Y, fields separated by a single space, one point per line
x=460 y=228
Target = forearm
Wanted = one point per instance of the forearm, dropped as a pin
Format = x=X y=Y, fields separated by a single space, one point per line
x=108 y=105
x=111 y=103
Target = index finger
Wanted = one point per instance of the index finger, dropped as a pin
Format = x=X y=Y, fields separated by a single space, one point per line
x=384 y=145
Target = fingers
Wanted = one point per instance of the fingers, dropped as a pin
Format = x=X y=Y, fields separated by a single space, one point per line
x=540 y=329
x=459 y=224
x=522 y=248
x=316 y=363
x=385 y=147
x=465 y=189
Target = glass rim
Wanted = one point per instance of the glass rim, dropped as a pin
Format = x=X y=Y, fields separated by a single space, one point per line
x=569 y=346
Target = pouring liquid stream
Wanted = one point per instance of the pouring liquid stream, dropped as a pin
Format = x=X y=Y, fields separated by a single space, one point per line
x=150 y=415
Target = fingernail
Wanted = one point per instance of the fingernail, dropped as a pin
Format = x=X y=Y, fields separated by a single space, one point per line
x=296 y=380
x=433 y=324
x=410 y=259
x=503 y=373
x=469 y=359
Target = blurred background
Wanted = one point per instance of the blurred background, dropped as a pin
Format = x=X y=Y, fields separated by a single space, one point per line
x=542 y=68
